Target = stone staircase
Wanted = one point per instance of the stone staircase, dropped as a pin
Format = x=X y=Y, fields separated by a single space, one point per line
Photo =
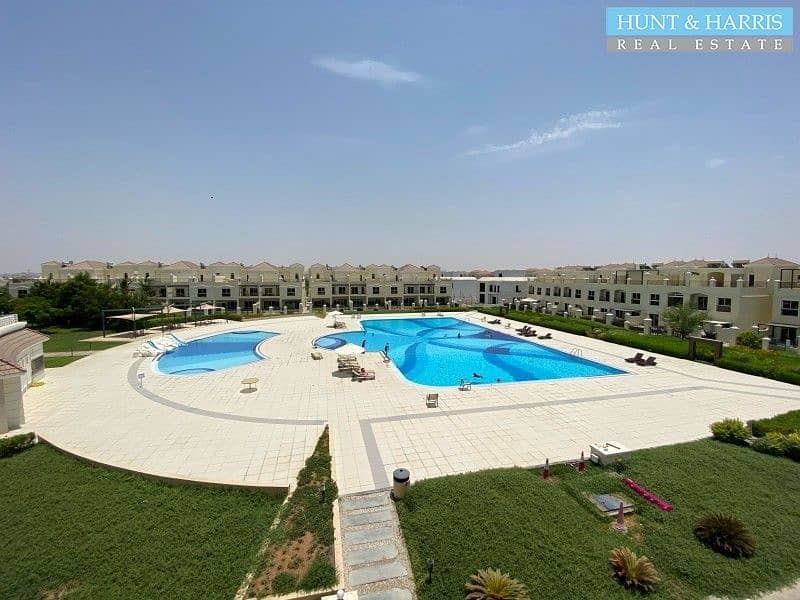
x=375 y=558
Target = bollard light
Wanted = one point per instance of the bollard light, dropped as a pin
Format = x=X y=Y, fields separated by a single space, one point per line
x=322 y=490
x=429 y=566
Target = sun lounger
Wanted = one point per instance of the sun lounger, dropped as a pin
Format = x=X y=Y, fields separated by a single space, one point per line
x=362 y=374
x=636 y=358
x=650 y=362
x=432 y=400
x=494 y=322
x=316 y=355
x=523 y=328
x=546 y=336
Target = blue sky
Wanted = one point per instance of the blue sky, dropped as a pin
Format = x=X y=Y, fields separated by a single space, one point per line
x=463 y=134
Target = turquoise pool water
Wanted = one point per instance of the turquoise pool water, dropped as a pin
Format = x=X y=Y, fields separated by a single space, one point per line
x=213 y=353
x=443 y=351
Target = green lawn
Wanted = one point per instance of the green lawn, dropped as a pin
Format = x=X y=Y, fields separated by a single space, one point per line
x=63 y=339
x=549 y=537
x=110 y=535
x=53 y=362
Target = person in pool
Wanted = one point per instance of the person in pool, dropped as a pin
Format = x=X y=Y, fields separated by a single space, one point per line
x=477 y=376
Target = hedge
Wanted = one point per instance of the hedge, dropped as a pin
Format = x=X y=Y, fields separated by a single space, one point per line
x=785 y=423
x=15 y=444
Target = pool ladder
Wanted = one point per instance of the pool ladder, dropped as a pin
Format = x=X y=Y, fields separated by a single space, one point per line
x=576 y=352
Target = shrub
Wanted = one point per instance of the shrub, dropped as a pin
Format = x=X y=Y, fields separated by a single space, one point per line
x=749 y=339
x=15 y=444
x=784 y=423
x=731 y=431
x=725 y=534
x=489 y=584
x=773 y=443
x=636 y=572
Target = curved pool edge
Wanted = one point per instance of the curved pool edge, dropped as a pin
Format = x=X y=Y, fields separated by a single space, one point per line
x=257 y=352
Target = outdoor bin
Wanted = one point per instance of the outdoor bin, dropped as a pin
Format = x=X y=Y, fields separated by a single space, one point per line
x=402 y=480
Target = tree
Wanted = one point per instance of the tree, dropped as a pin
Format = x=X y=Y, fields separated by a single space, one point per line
x=683 y=319
x=5 y=302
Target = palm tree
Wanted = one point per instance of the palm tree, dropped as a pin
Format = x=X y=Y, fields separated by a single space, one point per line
x=683 y=319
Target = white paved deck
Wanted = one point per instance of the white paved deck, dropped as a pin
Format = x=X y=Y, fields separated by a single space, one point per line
x=202 y=428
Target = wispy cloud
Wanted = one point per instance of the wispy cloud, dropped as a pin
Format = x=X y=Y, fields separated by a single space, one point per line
x=368 y=70
x=565 y=128
x=474 y=130
x=714 y=163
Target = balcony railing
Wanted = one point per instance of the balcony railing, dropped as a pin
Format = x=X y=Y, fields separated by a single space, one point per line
x=8 y=320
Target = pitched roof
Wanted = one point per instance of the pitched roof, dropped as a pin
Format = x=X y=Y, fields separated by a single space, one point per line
x=182 y=264
x=264 y=266
x=774 y=261
x=9 y=368
x=15 y=343
x=87 y=264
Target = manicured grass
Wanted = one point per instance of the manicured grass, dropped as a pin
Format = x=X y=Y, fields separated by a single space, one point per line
x=782 y=366
x=547 y=535
x=299 y=551
x=53 y=362
x=110 y=535
x=63 y=339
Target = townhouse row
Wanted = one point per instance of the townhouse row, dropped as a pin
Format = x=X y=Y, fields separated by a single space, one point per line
x=263 y=286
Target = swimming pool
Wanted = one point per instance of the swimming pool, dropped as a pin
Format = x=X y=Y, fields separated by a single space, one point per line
x=443 y=351
x=213 y=353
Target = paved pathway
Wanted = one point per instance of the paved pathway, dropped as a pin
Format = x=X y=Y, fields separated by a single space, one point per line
x=70 y=353
x=375 y=558
x=202 y=428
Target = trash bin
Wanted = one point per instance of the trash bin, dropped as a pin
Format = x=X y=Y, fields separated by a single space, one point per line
x=402 y=479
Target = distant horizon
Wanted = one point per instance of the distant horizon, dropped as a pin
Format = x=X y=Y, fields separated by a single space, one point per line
x=456 y=133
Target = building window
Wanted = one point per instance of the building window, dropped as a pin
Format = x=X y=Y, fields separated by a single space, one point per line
x=702 y=303
x=636 y=298
x=482 y=287
x=233 y=275
x=353 y=289
x=655 y=299
x=320 y=291
x=202 y=293
x=578 y=293
x=373 y=277
x=546 y=291
x=516 y=288
x=539 y=291
x=341 y=289
x=147 y=275
x=22 y=292
x=226 y=292
x=394 y=291
x=180 y=293
x=590 y=310
x=376 y=290
x=162 y=292
x=723 y=305
x=317 y=276
x=443 y=289
x=789 y=308
x=591 y=296
x=290 y=291
x=201 y=277
x=557 y=291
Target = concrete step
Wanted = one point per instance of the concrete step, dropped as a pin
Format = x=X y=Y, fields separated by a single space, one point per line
x=370 y=554
x=392 y=594
x=363 y=502
x=367 y=536
x=378 y=516
x=376 y=573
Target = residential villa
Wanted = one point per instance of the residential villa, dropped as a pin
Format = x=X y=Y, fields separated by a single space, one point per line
x=739 y=295
x=761 y=295
x=264 y=286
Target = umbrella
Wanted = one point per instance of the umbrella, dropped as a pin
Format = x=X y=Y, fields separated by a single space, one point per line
x=170 y=310
x=335 y=313
x=349 y=350
x=207 y=306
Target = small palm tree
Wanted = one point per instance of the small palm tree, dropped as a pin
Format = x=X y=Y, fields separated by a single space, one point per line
x=490 y=584
x=633 y=571
x=725 y=534
x=683 y=319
